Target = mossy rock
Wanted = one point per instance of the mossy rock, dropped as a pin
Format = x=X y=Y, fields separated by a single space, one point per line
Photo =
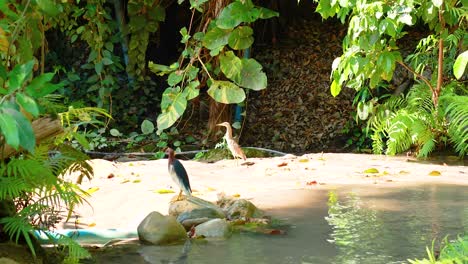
x=213 y=155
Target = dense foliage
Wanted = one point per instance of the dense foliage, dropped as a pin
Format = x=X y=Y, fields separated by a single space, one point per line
x=211 y=53
x=429 y=115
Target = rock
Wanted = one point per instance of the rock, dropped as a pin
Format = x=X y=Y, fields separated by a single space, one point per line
x=160 y=230
x=178 y=207
x=243 y=209
x=198 y=216
x=215 y=228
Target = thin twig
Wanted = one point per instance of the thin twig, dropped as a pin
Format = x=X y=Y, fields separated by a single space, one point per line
x=424 y=79
x=204 y=67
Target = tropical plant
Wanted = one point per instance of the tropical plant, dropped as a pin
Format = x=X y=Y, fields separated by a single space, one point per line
x=451 y=252
x=211 y=56
x=34 y=182
x=33 y=191
x=370 y=56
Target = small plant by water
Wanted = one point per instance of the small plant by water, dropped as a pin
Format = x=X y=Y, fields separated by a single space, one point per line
x=451 y=252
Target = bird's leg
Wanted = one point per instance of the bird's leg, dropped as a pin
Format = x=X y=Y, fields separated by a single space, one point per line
x=179 y=196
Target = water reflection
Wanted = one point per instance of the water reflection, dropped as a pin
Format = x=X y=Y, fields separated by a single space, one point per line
x=364 y=234
x=358 y=225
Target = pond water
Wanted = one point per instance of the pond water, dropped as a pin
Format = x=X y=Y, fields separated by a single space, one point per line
x=363 y=225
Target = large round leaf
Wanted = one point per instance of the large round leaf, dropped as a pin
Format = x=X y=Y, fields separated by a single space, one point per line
x=175 y=102
x=460 y=64
x=216 y=38
x=147 y=127
x=9 y=130
x=241 y=38
x=27 y=103
x=230 y=65
x=226 y=92
x=192 y=91
x=24 y=131
x=234 y=14
x=252 y=76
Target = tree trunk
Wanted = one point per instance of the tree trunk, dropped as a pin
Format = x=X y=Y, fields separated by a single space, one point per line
x=44 y=128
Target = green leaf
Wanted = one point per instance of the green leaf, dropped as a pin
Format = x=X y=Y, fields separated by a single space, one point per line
x=174 y=78
x=37 y=84
x=437 y=3
x=241 y=38
x=160 y=69
x=226 y=92
x=364 y=109
x=231 y=65
x=98 y=67
x=216 y=38
x=81 y=139
x=19 y=75
x=371 y=170
x=115 y=133
x=107 y=61
x=251 y=75
x=197 y=4
x=27 y=139
x=335 y=88
x=406 y=19
x=9 y=130
x=147 y=127
x=192 y=91
x=159 y=13
x=27 y=103
x=460 y=64
x=265 y=13
x=49 y=7
x=386 y=61
x=185 y=35
x=173 y=105
x=232 y=15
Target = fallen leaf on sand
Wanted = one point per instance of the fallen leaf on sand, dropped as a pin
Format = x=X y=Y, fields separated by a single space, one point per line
x=371 y=170
x=404 y=172
x=435 y=173
x=210 y=189
x=304 y=160
x=282 y=164
x=163 y=191
x=110 y=176
x=92 y=224
x=274 y=232
x=236 y=195
x=248 y=163
x=312 y=183
x=136 y=181
x=125 y=181
x=92 y=190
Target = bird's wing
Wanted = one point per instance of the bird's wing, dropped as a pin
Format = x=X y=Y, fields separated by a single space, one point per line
x=182 y=175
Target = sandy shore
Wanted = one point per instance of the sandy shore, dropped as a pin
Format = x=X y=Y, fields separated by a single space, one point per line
x=124 y=193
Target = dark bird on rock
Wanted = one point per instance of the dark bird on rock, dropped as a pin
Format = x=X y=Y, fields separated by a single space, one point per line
x=178 y=173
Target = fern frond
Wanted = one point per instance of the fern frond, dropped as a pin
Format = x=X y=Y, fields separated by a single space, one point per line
x=399 y=137
x=12 y=187
x=456 y=111
x=16 y=226
x=74 y=251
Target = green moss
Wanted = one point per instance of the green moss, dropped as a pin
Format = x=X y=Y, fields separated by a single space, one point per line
x=219 y=154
